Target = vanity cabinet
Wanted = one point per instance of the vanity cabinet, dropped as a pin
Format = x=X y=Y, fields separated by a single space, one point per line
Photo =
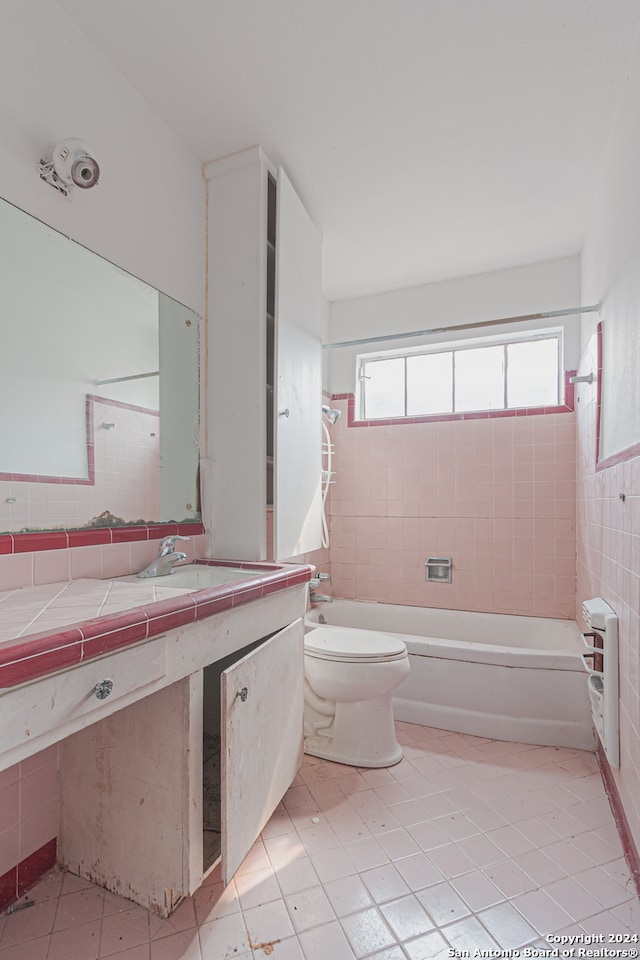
x=134 y=815
x=263 y=363
x=148 y=807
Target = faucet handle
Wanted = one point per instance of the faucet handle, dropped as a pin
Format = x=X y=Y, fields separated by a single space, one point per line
x=167 y=544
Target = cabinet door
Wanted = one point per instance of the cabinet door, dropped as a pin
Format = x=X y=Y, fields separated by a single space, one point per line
x=262 y=734
x=299 y=323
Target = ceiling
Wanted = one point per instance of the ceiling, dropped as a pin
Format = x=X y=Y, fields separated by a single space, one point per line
x=428 y=139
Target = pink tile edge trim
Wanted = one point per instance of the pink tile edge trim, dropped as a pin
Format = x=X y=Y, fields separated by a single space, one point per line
x=626 y=838
x=63 y=539
x=32 y=657
x=17 y=880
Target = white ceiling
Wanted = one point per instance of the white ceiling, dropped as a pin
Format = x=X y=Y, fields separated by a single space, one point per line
x=427 y=138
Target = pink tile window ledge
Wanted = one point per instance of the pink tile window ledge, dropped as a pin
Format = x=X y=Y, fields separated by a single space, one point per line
x=28 y=657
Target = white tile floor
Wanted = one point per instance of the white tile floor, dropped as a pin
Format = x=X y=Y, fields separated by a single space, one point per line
x=467 y=844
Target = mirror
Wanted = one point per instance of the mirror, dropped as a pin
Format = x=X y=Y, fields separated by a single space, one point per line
x=99 y=389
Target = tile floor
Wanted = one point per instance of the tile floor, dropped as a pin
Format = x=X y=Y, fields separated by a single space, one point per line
x=467 y=844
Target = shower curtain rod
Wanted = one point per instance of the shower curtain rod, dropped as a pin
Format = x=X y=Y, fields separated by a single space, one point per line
x=463 y=326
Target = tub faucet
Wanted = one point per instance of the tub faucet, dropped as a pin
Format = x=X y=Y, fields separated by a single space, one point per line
x=315 y=597
x=319 y=597
x=162 y=563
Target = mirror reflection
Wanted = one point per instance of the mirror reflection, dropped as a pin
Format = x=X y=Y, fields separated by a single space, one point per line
x=98 y=389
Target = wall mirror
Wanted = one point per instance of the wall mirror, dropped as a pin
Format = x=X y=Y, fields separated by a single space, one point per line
x=99 y=389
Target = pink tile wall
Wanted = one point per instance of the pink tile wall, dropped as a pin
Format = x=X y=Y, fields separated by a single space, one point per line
x=28 y=815
x=608 y=565
x=126 y=478
x=496 y=495
x=98 y=560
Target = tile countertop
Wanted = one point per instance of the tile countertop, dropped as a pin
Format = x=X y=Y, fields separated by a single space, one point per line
x=55 y=626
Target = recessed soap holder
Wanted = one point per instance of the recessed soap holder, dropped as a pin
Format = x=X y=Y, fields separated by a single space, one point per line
x=438 y=569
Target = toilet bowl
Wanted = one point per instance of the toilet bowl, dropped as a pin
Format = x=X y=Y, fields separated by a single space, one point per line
x=349 y=676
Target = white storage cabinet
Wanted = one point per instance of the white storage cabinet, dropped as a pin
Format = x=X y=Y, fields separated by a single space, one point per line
x=263 y=363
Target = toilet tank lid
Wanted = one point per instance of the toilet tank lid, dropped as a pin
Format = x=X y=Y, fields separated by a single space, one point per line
x=350 y=643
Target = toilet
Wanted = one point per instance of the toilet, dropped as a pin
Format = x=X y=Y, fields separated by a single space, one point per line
x=348 y=678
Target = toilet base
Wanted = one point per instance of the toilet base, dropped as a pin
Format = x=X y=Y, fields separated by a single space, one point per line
x=362 y=734
x=325 y=749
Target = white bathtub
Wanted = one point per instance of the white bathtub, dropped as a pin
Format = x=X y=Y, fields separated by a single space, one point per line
x=493 y=675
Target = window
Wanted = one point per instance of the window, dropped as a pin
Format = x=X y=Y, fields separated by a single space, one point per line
x=449 y=380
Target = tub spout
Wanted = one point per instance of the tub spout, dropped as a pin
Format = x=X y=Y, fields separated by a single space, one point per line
x=319 y=597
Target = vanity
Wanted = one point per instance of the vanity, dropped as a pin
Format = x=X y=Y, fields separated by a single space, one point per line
x=177 y=712
x=178 y=718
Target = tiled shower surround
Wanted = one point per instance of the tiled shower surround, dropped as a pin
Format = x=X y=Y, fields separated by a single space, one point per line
x=496 y=495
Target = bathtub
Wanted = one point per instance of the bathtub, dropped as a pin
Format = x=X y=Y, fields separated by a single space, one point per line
x=493 y=675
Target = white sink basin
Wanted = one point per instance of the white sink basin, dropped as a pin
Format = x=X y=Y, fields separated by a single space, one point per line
x=195 y=576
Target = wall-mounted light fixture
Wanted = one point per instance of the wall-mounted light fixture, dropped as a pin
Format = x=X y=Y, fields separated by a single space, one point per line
x=71 y=164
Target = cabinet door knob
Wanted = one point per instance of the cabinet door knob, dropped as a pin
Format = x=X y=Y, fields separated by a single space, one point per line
x=103 y=689
x=243 y=694
x=285 y=412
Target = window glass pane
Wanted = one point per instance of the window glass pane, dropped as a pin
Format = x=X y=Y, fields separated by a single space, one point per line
x=384 y=388
x=429 y=384
x=532 y=373
x=479 y=383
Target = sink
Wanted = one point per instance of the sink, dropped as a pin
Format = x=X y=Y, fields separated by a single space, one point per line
x=195 y=576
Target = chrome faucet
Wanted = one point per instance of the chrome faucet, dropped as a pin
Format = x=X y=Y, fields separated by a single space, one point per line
x=319 y=597
x=162 y=564
x=314 y=596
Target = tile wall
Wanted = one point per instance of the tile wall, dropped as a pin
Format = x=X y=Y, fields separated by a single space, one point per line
x=123 y=466
x=608 y=565
x=28 y=821
x=495 y=495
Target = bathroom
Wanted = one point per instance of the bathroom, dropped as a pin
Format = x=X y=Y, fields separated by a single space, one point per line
x=575 y=532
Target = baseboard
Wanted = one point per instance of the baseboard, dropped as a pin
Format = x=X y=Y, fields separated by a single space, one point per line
x=16 y=881
x=626 y=838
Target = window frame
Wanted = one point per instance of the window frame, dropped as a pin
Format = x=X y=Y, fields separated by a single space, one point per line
x=453 y=347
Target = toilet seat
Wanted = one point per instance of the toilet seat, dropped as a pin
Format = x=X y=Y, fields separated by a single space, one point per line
x=350 y=645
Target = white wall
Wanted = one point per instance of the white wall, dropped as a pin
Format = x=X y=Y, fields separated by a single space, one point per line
x=536 y=288
x=611 y=272
x=147 y=212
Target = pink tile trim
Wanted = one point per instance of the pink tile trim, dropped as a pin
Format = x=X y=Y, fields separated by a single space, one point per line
x=8 y=887
x=20 y=878
x=112 y=632
x=566 y=407
x=86 y=538
x=30 y=542
x=35 y=645
x=36 y=655
x=124 y=406
x=63 y=539
x=31 y=869
x=21 y=671
x=626 y=837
